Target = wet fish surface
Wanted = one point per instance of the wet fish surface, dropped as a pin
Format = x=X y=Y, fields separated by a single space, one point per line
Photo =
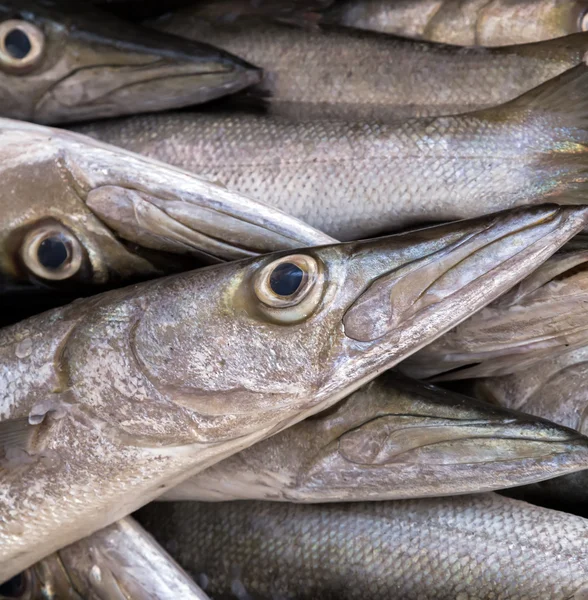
x=464 y=22
x=541 y=318
x=118 y=562
x=418 y=549
x=66 y=61
x=77 y=214
x=399 y=438
x=107 y=402
x=354 y=180
x=341 y=72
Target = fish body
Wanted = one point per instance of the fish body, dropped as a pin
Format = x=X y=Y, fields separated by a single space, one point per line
x=108 y=401
x=400 y=439
x=77 y=214
x=359 y=179
x=69 y=62
x=118 y=562
x=464 y=22
x=440 y=549
x=346 y=73
x=529 y=327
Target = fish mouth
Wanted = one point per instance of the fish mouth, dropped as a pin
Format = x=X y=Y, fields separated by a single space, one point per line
x=108 y=90
x=484 y=249
x=408 y=293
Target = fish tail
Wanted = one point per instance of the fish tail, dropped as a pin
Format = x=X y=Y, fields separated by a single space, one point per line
x=554 y=118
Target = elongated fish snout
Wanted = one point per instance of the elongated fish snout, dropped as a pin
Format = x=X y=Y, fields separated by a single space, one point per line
x=128 y=81
x=77 y=63
x=448 y=276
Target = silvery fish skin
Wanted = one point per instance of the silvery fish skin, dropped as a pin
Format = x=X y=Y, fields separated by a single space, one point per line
x=119 y=562
x=111 y=400
x=357 y=74
x=542 y=317
x=401 y=439
x=354 y=180
x=116 y=216
x=480 y=546
x=69 y=62
x=464 y=22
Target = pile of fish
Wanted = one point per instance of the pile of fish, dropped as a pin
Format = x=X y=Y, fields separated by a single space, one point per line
x=313 y=272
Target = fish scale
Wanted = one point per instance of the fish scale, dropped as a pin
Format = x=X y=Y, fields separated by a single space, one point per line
x=354 y=180
x=469 y=547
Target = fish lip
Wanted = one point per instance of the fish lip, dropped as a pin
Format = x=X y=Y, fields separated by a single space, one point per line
x=95 y=91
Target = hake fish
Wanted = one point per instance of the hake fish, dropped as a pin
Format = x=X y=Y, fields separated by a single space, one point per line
x=393 y=438
x=119 y=562
x=111 y=400
x=65 y=61
x=359 y=179
x=77 y=212
x=481 y=546
x=464 y=22
x=341 y=72
x=542 y=317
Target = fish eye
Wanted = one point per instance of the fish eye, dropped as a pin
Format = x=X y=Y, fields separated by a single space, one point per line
x=584 y=21
x=290 y=287
x=21 y=44
x=15 y=587
x=52 y=252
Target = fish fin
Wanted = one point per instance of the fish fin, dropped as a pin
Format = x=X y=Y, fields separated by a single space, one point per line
x=564 y=99
x=15 y=433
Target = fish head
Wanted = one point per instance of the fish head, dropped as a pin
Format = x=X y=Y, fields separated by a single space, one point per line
x=71 y=64
x=404 y=439
x=500 y=21
x=79 y=213
x=279 y=337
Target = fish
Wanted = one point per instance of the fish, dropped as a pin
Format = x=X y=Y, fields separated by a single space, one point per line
x=542 y=317
x=69 y=62
x=111 y=400
x=401 y=439
x=479 y=546
x=80 y=214
x=463 y=22
x=338 y=72
x=118 y=562
x=361 y=179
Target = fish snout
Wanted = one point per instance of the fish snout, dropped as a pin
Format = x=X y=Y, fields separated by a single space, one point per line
x=459 y=277
x=118 y=82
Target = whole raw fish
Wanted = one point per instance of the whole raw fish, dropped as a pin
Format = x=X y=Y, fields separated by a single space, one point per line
x=119 y=562
x=464 y=22
x=66 y=61
x=109 y=401
x=542 y=317
x=357 y=74
x=78 y=213
x=393 y=438
x=481 y=546
x=353 y=180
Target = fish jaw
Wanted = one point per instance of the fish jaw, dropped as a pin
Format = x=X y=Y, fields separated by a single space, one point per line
x=154 y=84
x=92 y=65
x=401 y=439
x=403 y=306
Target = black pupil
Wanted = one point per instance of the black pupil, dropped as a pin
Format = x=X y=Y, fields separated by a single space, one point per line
x=286 y=279
x=52 y=253
x=13 y=588
x=17 y=43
